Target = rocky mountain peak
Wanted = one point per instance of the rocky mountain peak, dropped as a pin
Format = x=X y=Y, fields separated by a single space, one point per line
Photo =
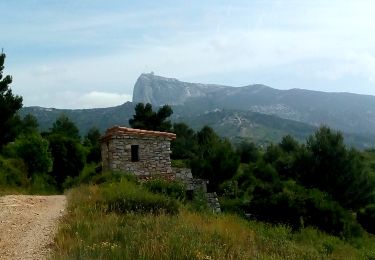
x=158 y=90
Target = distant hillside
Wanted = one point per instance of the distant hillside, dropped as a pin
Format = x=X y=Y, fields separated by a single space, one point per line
x=263 y=129
x=101 y=118
x=348 y=112
x=257 y=112
x=234 y=124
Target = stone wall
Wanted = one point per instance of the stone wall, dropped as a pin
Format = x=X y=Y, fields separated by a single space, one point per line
x=197 y=185
x=213 y=202
x=182 y=174
x=154 y=154
x=185 y=175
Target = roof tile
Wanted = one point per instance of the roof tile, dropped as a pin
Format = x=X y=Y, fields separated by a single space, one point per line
x=136 y=132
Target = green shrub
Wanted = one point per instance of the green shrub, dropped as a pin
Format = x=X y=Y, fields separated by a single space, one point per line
x=126 y=197
x=329 y=216
x=92 y=143
x=91 y=174
x=199 y=202
x=13 y=172
x=366 y=217
x=68 y=157
x=173 y=189
x=299 y=207
x=180 y=163
x=42 y=183
x=87 y=174
x=33 y=149
x=112 y=176
x=232 y=205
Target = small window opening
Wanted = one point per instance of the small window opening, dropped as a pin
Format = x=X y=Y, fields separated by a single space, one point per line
x=135 y=153
x=106 y=154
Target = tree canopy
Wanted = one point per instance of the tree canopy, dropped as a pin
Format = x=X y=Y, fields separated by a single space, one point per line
x=9 y=105
x=34 y=151
x=92 y=144
x=65 y=127
x=66 y=149
x=146 y=118
x=319 y=183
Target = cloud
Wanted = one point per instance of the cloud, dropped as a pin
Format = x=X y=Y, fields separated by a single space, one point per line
x=249 y=51
x=353 y=64
x=102 y=99
x=96 y=56
x=74 y=100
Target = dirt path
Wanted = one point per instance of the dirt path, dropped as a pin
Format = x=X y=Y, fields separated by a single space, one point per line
x=27 y=225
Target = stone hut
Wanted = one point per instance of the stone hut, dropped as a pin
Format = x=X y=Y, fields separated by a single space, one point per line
x=141 y=152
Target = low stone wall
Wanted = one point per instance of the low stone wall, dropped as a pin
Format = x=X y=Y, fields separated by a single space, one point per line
x=197 y=185
x=213 y=202
x=185 y=175
x=182 y=173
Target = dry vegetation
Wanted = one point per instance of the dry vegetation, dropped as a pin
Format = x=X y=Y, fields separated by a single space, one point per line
x=90 y=231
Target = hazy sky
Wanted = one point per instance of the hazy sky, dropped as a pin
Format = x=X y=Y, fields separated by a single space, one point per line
x=89 y=53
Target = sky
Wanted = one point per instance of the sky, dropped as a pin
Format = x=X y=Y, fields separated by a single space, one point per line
x=89 y=53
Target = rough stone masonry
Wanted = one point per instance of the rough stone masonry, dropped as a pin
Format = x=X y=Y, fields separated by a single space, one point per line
x=141 y=152
x=147 y=154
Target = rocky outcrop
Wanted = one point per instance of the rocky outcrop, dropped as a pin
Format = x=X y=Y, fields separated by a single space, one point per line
x=158 y=90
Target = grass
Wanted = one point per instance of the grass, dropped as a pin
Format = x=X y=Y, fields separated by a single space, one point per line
x=38 y=185
x=5 y=190
x=89 y=232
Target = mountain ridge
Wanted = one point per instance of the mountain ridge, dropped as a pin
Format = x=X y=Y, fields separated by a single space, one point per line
x=254 y=112
x=354 y=113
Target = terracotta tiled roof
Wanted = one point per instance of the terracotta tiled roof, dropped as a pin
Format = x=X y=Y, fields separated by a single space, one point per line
x=136 y=132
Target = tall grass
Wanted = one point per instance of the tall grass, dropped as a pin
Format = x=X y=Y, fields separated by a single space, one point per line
x=89 y=232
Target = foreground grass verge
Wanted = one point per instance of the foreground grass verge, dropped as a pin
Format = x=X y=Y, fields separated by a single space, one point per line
x=91 y=230
x=11 y=190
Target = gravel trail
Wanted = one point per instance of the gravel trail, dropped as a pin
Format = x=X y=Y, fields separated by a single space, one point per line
x=28 y=224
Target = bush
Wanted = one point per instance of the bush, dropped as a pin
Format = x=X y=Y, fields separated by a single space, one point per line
x=87 y=174
x=174 y=189
x=366 y=217
x=13 y=172
x=112 y=176
x=42 y=184
x=248 y=152
x=126 y=197
x=337 y=170
x=215 y=160
x=329 y=215
x=199 y=202
x=232 y=205
x=299 y=207
x=180 y=163
x=68 y=157
x=33 y=149
x=92 y=174
x=92 y=143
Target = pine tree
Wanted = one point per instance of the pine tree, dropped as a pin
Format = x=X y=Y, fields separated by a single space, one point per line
x=146 y=118
x=9 y=105
x=65 y=127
